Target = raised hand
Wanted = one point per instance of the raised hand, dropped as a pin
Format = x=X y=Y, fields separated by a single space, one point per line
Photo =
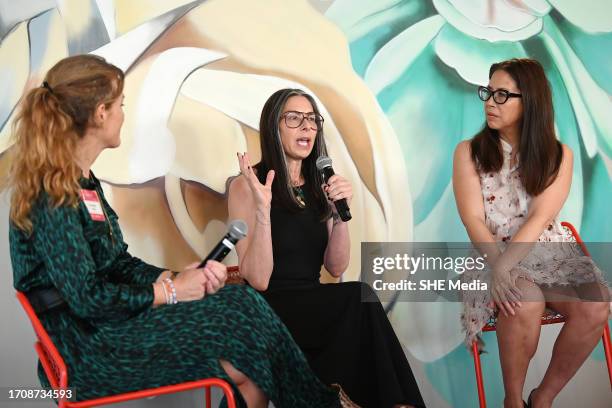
x=262 y=193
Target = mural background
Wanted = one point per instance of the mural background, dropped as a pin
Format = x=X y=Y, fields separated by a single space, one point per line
x=396 y=80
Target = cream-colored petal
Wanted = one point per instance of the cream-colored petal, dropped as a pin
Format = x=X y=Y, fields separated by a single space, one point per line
x=206 y=144
x=14 y=72
x=151 y=146
x=200 y=242
x=147 y=224
x=132 y=13
x=239 y=96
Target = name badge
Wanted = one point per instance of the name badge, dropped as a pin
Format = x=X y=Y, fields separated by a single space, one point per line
x=93 y=204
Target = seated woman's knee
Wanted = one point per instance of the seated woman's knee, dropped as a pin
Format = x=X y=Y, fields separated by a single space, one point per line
x=530 y=310
x=594 y=315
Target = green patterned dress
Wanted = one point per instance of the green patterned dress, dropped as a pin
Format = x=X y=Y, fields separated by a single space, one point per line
x=114 y=341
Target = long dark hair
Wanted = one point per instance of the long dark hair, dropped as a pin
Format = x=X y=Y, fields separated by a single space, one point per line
x=540 y=152
x=273 y=156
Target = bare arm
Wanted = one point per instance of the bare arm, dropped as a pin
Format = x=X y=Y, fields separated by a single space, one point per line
x=250 y=201
x=543 y=209
x=338 y=251
x=469 y=199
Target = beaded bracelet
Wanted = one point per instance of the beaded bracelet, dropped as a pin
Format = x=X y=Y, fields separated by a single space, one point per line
x=173 y=300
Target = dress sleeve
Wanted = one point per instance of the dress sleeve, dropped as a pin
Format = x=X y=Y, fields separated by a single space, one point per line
x=133 y=270
x=61 y=244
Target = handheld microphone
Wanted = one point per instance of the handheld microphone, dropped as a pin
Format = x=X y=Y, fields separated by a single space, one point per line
x=324 y=164
x=236 y=231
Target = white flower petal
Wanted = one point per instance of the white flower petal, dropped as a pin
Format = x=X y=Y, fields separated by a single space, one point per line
x=592 y=16
x=471 y=58
x=397 y=55
x=494 y=14
x=84 y=25
x=48 y=43
x=536 y=7
x=126 y=50
x=430 y=330
x=152 y=149
x=107 y=12
x=12 y=14
x=487 y=29
x=219 y=89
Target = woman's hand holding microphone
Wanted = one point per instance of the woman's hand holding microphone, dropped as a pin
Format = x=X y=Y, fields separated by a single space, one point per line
x=192 y=284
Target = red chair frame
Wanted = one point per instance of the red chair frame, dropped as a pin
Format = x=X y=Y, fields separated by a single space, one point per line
x=546 y=319
x=57 y=373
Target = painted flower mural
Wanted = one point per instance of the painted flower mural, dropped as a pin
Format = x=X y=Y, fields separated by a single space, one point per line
x=396 y=80
x=423 y=60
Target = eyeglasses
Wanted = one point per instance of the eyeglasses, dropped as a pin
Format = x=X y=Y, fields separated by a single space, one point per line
x=295 y=119
x=500 y=96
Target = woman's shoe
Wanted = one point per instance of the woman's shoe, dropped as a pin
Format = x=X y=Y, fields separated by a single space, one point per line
x=345 y=401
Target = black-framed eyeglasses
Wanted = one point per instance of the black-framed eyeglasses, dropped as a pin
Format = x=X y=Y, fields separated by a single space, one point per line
x=294 y=119
x=500 y=96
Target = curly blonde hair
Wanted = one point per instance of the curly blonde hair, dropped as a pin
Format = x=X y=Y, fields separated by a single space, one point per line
x=51 y=120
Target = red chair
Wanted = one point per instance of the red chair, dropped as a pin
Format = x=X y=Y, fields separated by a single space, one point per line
x=547 y=318
x=57 y=374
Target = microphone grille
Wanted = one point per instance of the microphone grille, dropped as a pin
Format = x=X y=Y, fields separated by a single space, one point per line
x=323 y=162
x=238 y=229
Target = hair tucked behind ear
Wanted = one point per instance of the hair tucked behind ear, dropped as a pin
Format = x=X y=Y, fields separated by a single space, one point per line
x=51 y=119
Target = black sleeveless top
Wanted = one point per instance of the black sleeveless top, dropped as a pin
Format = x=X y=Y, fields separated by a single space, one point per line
x=299 y=240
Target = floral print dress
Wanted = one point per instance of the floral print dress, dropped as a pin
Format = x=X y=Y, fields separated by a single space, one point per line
x=555 y=259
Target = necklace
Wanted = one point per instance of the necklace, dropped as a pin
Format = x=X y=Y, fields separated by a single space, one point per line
x=299 y=195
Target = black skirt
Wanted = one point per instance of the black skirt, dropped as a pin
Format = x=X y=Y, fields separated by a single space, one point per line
x=347 y=341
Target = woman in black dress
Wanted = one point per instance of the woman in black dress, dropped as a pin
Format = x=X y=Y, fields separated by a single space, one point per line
x=294 y=231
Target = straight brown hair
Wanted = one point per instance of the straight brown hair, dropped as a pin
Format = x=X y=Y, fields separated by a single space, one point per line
x=540 y=153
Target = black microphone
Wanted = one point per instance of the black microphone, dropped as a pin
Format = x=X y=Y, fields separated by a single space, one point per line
x=324 y=164
x=236 y=231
